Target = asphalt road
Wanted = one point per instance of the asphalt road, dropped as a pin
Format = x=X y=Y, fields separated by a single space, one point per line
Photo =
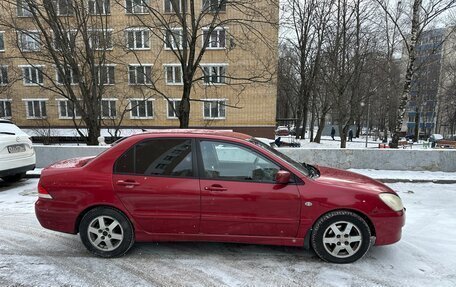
x=33 y=256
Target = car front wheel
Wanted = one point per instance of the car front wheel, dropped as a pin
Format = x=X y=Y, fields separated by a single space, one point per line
x=341 y=237
x=106 y=232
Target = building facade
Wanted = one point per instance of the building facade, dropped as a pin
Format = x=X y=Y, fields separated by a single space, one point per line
x=141 y=76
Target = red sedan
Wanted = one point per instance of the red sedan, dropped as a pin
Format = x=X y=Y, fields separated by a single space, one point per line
x=199 y=185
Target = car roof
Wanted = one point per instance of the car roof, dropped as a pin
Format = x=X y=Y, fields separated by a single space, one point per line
x=226 y=133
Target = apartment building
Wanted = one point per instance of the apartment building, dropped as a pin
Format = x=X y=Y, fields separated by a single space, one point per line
x=234 y=86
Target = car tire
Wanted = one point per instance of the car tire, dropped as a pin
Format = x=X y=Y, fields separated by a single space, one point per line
x=13 y=178
x=341 y=237
x=106 y=232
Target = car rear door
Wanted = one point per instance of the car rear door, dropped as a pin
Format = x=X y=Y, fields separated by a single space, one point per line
x=157 y=182
x=239 y=195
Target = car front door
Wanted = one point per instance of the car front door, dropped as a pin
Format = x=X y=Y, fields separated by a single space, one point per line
x=239 y=195
x=156 y=181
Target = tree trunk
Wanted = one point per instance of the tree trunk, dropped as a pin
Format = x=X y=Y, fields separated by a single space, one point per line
x=416 y=131
x=343 y=136
x=358 y=128
x=93 y=131
x=312 y=124
x=321 y=126
x=409 y=73
x=184 y=108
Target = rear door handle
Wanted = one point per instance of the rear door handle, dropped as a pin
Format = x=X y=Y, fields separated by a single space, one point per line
x=215 y=188
x=127 y=183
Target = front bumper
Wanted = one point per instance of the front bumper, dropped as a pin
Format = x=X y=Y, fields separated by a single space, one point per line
x=388 y=227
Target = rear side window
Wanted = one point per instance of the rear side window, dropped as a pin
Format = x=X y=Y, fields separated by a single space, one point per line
x=161 y=157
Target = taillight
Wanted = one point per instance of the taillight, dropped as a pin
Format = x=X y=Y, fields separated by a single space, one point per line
x=42 y=192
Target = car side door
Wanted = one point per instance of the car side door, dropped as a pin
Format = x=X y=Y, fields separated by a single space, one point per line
x=157 y=181
x=239 y=195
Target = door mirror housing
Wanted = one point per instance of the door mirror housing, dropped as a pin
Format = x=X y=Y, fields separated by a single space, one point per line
x=282 y=177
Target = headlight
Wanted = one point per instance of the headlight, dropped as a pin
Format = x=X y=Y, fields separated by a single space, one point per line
x=392 y=200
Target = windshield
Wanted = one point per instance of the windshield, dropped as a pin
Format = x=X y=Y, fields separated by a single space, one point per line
x=301 y=167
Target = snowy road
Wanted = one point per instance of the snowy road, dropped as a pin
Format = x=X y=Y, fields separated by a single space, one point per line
x=33 y=256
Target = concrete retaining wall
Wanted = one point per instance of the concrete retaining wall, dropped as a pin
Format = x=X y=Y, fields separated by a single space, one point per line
x=387 y=159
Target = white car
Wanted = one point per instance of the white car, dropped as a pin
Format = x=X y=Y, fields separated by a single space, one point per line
x=17 y=155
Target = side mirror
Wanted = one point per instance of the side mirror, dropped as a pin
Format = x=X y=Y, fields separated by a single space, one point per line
x=282 y=177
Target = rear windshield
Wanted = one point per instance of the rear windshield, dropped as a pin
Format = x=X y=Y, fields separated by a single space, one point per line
x=10 y=129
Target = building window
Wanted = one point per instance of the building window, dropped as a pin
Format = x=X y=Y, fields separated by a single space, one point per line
x=170 y=8
x=173 y=39
x=214 y=74
x=2 y=41
x=99 y=7
x=5 y=109
x=29 y=41
x=66 y=39
x=141 y=109
x=214 y=109
x=67 y=76
x=173 y=74
x=139 y=74
x=36 y=109
x=63 y=7
x=137 y=6
x=108 y=109
x=214 y=5
x=105 y=75
x=217 y=39
x=173 y=108
x=32 y=75
x=138 y=39
x=67 y=110
x=3 y=75
x=101 y=39
x=23 y=8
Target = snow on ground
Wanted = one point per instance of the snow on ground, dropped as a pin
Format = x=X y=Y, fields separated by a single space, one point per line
x=33 y=256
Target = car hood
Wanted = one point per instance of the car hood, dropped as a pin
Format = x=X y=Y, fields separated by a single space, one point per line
x=346 y=179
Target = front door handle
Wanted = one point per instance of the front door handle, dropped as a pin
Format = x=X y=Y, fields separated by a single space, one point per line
x=127 y=183
x=215 y=187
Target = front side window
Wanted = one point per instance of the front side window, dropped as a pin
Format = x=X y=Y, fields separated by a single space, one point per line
x=228 y=161
x=159 y=157
x=32 y=75
x=140 y=74
x=101 y=39
x=137 y=6
x=173 y=75
x=36 y=109
x=173 y=38
x=105 y=75
x=24 y=8
x=138 y=39
x=3 y=75
x=67 y=110
x=5 y=109
x=175 y=6
x=173 y=109
x=29 y=41
x=214 y=74
x=108 y=109
x=99 y=7
x=214 y=109
x=217 y=38
x=142 y=109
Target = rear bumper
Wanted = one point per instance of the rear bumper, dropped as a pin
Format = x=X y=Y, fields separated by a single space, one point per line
x=12 y=166
x=388 y=227
x=55 y=217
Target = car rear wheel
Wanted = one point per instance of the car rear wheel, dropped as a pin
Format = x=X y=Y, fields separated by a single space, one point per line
x=13 y=178
x=106 y=232
x=341 y=237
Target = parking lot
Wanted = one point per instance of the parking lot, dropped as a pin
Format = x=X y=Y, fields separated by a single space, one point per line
x=33 y=256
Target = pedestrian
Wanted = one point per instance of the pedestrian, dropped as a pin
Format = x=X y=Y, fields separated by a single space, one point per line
x=350 y=135
x=333 y=132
